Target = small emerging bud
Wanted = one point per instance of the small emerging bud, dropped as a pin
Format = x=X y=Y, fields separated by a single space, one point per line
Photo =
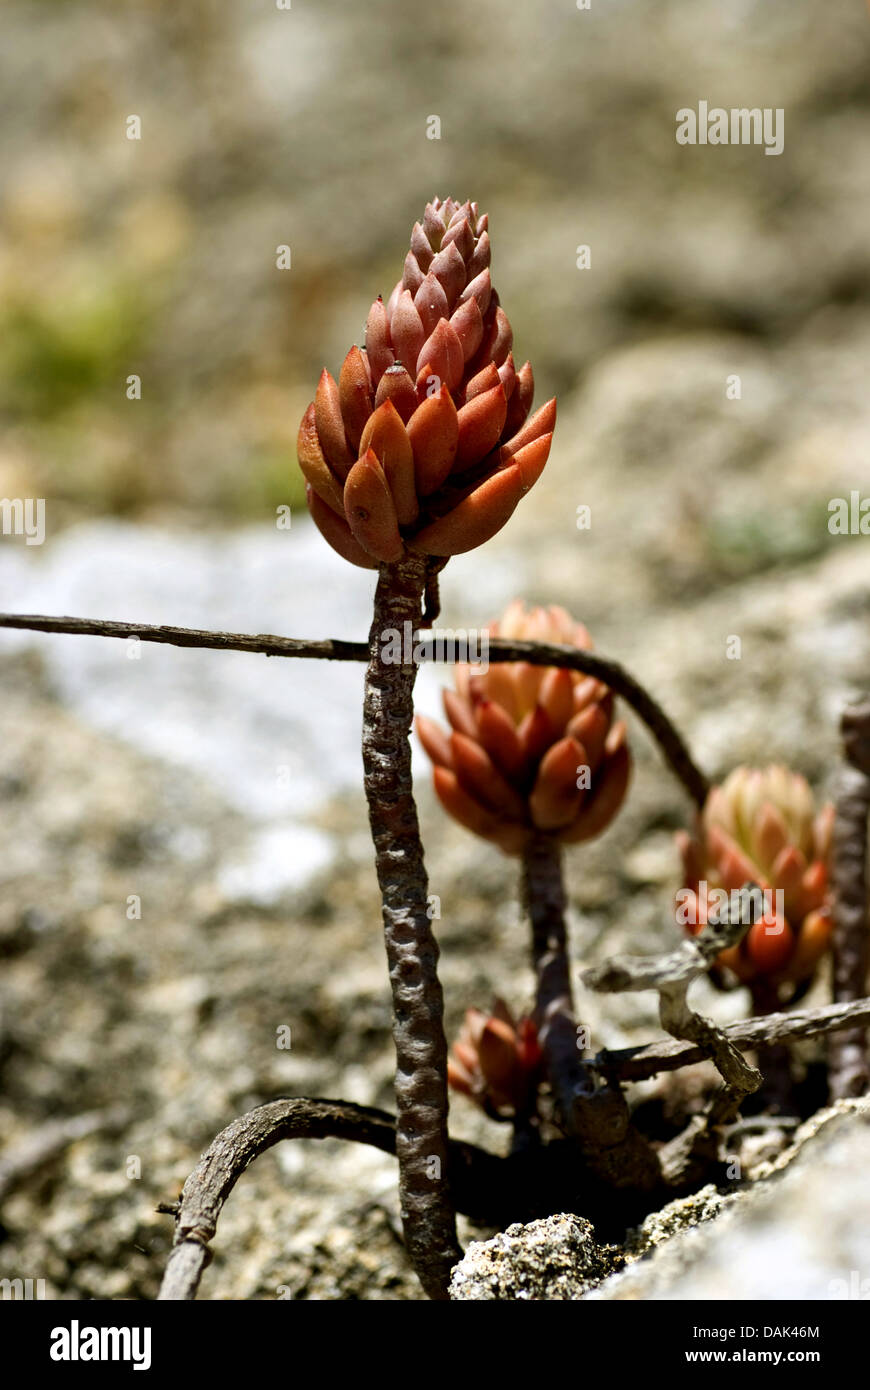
x=761 y=828
x=534 y=749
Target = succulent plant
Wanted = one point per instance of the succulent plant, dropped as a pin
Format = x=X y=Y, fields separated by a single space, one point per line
x=496 y=1060
x=533 y=750
x=425 y=444
x=761 y=827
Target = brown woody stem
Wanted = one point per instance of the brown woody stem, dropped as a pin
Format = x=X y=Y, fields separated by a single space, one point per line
x=590 y=1108
x=428 y=1214
x=848 y=1071
x=543 y=894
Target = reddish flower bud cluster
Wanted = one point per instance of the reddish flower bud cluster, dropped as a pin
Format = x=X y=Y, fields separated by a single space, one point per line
x=496 y=1060
x=424 y=442
x=533 y=749
x=760 y=827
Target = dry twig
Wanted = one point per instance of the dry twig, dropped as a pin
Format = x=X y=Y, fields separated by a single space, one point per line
x=668 y=737
x=640 y=1063
x=484 y=1186
x=671 y=975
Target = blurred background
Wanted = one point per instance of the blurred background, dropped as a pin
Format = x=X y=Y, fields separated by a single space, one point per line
x=225 y=790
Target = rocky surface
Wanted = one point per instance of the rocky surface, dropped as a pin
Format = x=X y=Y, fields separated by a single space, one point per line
x=798 y=1230
x=557 y=1258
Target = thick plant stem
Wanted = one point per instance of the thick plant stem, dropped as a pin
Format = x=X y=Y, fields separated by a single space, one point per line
x=848 y=1066
x=428 y=1215
x=594 y=1114
x=544 y=898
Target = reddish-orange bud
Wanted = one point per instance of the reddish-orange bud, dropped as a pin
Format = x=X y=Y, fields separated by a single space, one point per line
x=442 y=329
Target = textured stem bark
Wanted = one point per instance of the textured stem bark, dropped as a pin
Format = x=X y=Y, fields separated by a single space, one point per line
x=591 y=1108
x=543 y=894
x=428 y=1215
x=848 y=1071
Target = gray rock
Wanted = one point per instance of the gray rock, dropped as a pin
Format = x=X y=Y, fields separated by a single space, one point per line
x=558 y=1258
x=799 y=1232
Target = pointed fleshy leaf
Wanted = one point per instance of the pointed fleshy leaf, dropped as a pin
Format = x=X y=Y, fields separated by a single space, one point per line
x=476 y=519
x=497 y=1052
x=336 y=531
x=541 y=423
x=434 y=434
x=330 y=426
x=530 y=461
x=503 y=338
x=396 y=385
x=812 y=941
x=555 y=799
x=769 y=944
x=462 y=807
x=556 y=694
x=497 y=733
x=433 y=223
x=420 y=248
x=431 y=303
x=355 y=392
x=443 y=351
x=467 y=324
x=536 y=734
x=520 y=402
x=590 y=727
x=459 y=713
x=480 y=256
x=412 y=275
x=461 y=234
x=407 y=331
x=479 y=776
x=313 y=464
x=735 y=867
x=434 y=740
x=507 y=375
x=448 y=267
x=370 y=512
x=481 y=421
x=386 y=435
x=608 y=794
x=378 y=348
x=480 y=288
x=484 y=381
